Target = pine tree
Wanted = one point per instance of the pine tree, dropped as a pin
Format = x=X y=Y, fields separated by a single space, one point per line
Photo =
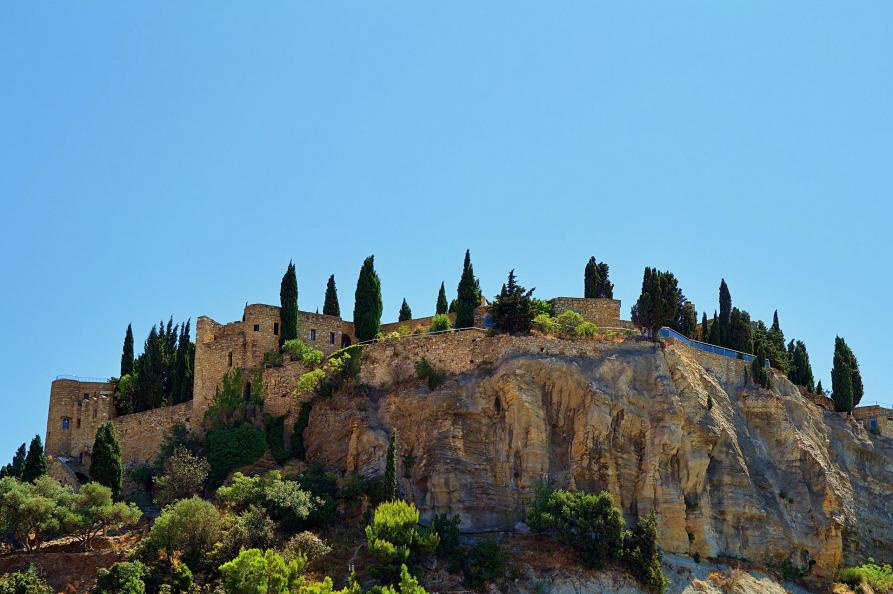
x=591 y=281
x=106 y=467
x=511 y=310
x=725 y=313
x=330 y=306
x=842 y=378
x=18 y=462
x=367 y=302
x=442 y=305
x=288 y=301
x=390 y=471
x=127 y=354
x=605 y=286
x=469 y=296
x=35 y=465
x=405 y=313
x=705 y=330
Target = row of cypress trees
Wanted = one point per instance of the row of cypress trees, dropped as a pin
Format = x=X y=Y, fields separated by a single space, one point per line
x=162 y=374
x=27 y=466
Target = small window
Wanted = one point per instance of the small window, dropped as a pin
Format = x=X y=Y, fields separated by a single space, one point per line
x=313 y=335
x=229 y=358
x=86 y=397
x=257 y=327
x=66 y=423
x=872 y=424
x=79 y=423
x=276 y=328
x=331 y=338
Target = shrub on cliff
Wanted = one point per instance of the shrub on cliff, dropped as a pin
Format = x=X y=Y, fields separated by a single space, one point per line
x=300 y=351
x=511 y=310
x=425 y=371
x=189 y=527
x=641 y=556
x=258 y=572
x=297 y=435
x=879 y=577
x=24 y=582
x=92 y=512
x=229 y=448
x=30 y=513
x=124 y=577
x=184 y=476
x=286 y=501
x=440 y=323
x=395 y=538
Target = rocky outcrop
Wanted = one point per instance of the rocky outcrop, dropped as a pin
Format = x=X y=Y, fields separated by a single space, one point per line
x=759 y=474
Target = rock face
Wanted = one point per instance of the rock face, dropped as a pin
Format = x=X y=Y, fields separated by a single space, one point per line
x=761 y=474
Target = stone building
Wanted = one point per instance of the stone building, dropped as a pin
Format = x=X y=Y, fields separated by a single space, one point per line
x=875 y=418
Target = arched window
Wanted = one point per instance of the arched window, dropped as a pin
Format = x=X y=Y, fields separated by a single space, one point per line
x=230 y=359
x=66 y=422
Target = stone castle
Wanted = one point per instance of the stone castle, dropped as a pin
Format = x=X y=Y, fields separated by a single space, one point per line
x=78 y=406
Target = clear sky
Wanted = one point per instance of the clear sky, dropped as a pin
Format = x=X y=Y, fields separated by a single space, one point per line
x=170 y=158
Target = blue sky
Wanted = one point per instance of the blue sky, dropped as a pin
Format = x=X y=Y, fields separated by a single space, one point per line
x=170 y=158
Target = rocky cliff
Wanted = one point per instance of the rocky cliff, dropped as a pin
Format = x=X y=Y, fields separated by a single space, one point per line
x=759 y=474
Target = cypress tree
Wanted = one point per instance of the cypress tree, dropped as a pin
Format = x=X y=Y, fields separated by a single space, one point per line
x=776 y=352
x=106 y=467
x=605 y=286
x=390 y=471
x=452 y=308
x=715 y=332
x=801 y=370
x=660 y=301
x=819 y=389
x=127 y=354
x=367 y=302
x=330 y=306
x=853 y=364
x=442 y=305
x=740 y=336
x=511 y=310
x=687 y=323
x=705 y=336
x=35 y=465
x=18 y=462
x=469 y=296
x=760 y=375
x=841 y=378
x=591 y=281
x=288 y=301
x=725 y=313
x=405 y=313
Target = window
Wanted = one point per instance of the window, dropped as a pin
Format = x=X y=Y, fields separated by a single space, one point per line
x=872 y=424
x=86 y=397
x=230 y=359
x=331 y=338
x=276 y=328
x=79 y=423
x=66 y=423
x=313 y=334
x=257 y=327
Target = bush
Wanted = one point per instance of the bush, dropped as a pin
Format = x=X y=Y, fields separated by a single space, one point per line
x=124 y=577
x=567 y=321
x=486 y=563
x=447 y=529
x=273 y=359
x=230 y=448
x=308 y=545
x=404 y=330
x=189 y=526
x=258 y=526
x=545 y=324
x=540 y=307
x=93 y=512
x=395 y=538
x=32 y=512
x=297 y=435
x=879 y=577
x=285 y=500
x=309 y=382
x=298 y=351
x=585 y=329
x=275 y=435
x=440 y=323
x=642 y=557
x=425 y=371
x=323 y=485
x=255 y=572
x=185 y=476
x=24 y=582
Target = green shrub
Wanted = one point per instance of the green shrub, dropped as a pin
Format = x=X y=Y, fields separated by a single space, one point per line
x=230 y=448
x=275 y=436
x=29 y=513
x=256 y=572
x=273 y=359
x=24 y=582
x=486 y=563
x=185 y=476
x=323 y=485
x=298 y=351
x=308 y=545
x=286 y=501
x=567 y=321
x=190 y=527
x=92 y=512
x=425 y=371
x=124 y=577
x=879 y=577
x=585 y=329
x=545 y=324
x=540 y=307
x=440 y=323
x=641 y=556
x=297 y=434
x=395 y=538
x=447 y=528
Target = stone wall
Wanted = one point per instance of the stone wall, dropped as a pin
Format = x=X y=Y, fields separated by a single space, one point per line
x=141 y=434
x=423 y=323
x=877 y=419
x=76 y=409
x=601 y=312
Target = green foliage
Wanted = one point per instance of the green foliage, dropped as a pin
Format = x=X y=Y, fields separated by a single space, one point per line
x=367 y=302
x=286 y=501
x=800 y=372
x=274 y=358
x=740 y=332
x=288 y=300
x=879 y=577
x=440 y=323
x=586 y=329
x=125 y=394
x=760 y=373
x=229 y=405
x=24 y=582
x=257 y=572
x=545 y=324
x=447 y=528
x=124 y=577
x=339 y=370
x=687 y=321
x=274 y=428
x=127 y=353
x=843 y=390
x=442 y=305
x=641 y=557
x=163 y=373
x=330 y=305
x=106 y=466
x=308 y=545
x=395 y=538
x=190 y=527
x=35 y=465
x=660 y=301
x=540 y=307
x=485 y=563
x=92 y=512
x=229 y=448
x=299 y=351
x=31 y=512
x=310 y=382
x=323 y=485
x=468 y=295
x=511 y=310
x=705 y=329
x=715 y=331
x=184 y=475
x=595 y=281
x=725 y=313
x=390 y=471
x=425 y=371
x=297 y=435
x=14 y=468
x=709 y=402
x=405 y=313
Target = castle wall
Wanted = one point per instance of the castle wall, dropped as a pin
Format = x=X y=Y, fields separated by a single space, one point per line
x=76 y=410
x=601 y=312
x=141 y=434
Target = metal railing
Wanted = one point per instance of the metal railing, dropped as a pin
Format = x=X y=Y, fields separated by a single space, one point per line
x=84 y=380
x=710 y=348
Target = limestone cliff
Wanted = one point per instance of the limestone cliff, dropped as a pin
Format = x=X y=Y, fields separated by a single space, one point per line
x=762 y=474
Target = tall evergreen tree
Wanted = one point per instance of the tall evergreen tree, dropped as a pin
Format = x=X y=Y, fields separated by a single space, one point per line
x=127 y=354
x=106 y=467
x=605 y=286
x=705 y=330
x=288 y=301
x=469 y=296
x=841 y=378
x=725 y=313
x=511 y=310
x=35 y=465
x=330 y=307
x=775 y=347
x=390 y=470
x=442 y=304
x=715 y=337
x=800 y=372
x=819 y=389
x=687 y=323
x=740 y=333
x=760 y=375
x=405 y=313
x=591 y=282
x=660 y=301
x=367 y=302
x=183 y=366
x=853 y=364
x=18 y=462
